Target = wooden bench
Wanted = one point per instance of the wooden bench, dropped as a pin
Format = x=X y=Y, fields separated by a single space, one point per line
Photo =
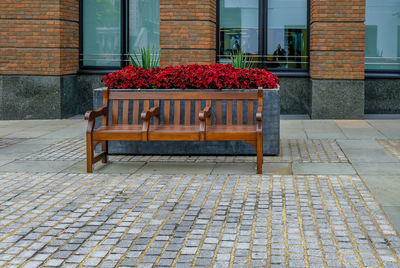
x=147 y=116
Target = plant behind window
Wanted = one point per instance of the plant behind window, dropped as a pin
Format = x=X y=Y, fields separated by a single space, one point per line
x=241 y=60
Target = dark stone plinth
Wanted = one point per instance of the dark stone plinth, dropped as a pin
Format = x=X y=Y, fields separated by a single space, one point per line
x=271 y=136
x=337 y=99
x=295 y=95
x=382 y=96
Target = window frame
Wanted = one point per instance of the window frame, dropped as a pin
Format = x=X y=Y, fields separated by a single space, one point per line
x=262 y=44
x=124 y=39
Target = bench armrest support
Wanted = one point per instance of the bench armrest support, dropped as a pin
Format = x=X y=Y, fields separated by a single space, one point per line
x=92 y=115
x=147 y=115
x=205 y=113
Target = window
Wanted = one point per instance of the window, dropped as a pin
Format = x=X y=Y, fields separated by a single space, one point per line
x=272 y=33
x=113 y=28
x=382 y=35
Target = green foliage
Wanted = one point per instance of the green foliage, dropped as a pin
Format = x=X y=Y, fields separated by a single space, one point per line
x=240 y=60
x=147 y=58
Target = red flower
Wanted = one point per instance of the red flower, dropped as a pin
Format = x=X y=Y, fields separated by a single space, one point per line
x=220 y=76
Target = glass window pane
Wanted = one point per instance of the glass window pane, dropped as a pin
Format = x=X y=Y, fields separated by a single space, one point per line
x=101 y=32
x=239 y=29
x=287 y=34
x=144 y=24
x=382 y=35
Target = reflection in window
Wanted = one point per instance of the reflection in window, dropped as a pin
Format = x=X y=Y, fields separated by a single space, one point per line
x=382 y=35
x=144 y=24
x=238 y=28
x=101 y=32
x=287 y=34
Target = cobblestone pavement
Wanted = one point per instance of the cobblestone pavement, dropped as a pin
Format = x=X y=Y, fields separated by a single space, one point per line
x=221 y=221
x=299 y=150
x=392 y=146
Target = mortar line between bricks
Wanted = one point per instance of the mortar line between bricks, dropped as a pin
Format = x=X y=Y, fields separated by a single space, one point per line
x=305 y=146
x=171 y=212
x=43 y=176
x=196 y=256
x=344 y=218
x=183 y=216
x=284 y=216
x=373 y=217
x=300 y=219
x=316 y=150
x=154 y=214
x=225 y=220
x=239 y=225
x=310 y=204
x=300 y=147
x=334 y=152
x=126 y=214
x=318 y=183
x=62 y=190
x=358 y=218
x=55 y=237
x=269 y=224
x=290 y=151
x=123 y=180
x=253 y=226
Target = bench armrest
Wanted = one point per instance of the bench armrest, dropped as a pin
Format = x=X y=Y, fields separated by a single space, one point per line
x=91 y=115
x=205 y=113
x=146 y=115
x=259 y=114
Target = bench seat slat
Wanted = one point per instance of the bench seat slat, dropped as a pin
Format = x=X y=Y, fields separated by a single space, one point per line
x=118 y=132
x=174 y=133
x=233 y=132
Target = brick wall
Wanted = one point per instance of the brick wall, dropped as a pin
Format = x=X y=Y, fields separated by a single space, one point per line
x=337 y=39
x=39 y=37
x=187 y=32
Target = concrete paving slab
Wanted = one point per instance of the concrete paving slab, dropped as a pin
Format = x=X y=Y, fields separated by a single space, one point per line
x=5 y=161
x=28 y=133
x=23 y=148
x=380 y=169
x=393 y=213
x=36 y=166
x=164 y=168
x=361 y=151
x=109 y=168
x=362 y=133
x=343 y=124
x=389 y=128
x=70 y=132
x=277 y=168
x=235 y=168
x=323 y=168
x=40 y=140
x=385 y=189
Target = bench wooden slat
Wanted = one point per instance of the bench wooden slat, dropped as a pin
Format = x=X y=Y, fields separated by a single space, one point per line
x=196 y=112
x=177 y=112
x=125 y=115
x=183 y=95
x=239 y=109
x=187 y=112
x=135 y=113
x=115 y=112
x=229 y=113
x=167 y=105
x=157 y=118
x=250 y=108
x=218 y=112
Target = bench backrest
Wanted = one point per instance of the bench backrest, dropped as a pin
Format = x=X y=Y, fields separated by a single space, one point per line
x=182 y=108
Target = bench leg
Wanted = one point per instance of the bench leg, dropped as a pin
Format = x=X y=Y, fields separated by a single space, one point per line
x=89 y=153
x=259 y=152
x=104 y=148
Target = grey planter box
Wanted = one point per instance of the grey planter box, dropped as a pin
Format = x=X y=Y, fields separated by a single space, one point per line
x=271 y=138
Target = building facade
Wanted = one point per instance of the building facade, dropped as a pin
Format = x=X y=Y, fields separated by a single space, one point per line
x=335 y=59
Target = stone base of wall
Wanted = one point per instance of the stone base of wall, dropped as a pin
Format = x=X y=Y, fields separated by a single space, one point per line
x=45 y=97
x=337 y=99
x=382 y=96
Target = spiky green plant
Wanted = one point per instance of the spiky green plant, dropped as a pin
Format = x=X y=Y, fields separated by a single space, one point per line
x=241 y=60
x=147 y=58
